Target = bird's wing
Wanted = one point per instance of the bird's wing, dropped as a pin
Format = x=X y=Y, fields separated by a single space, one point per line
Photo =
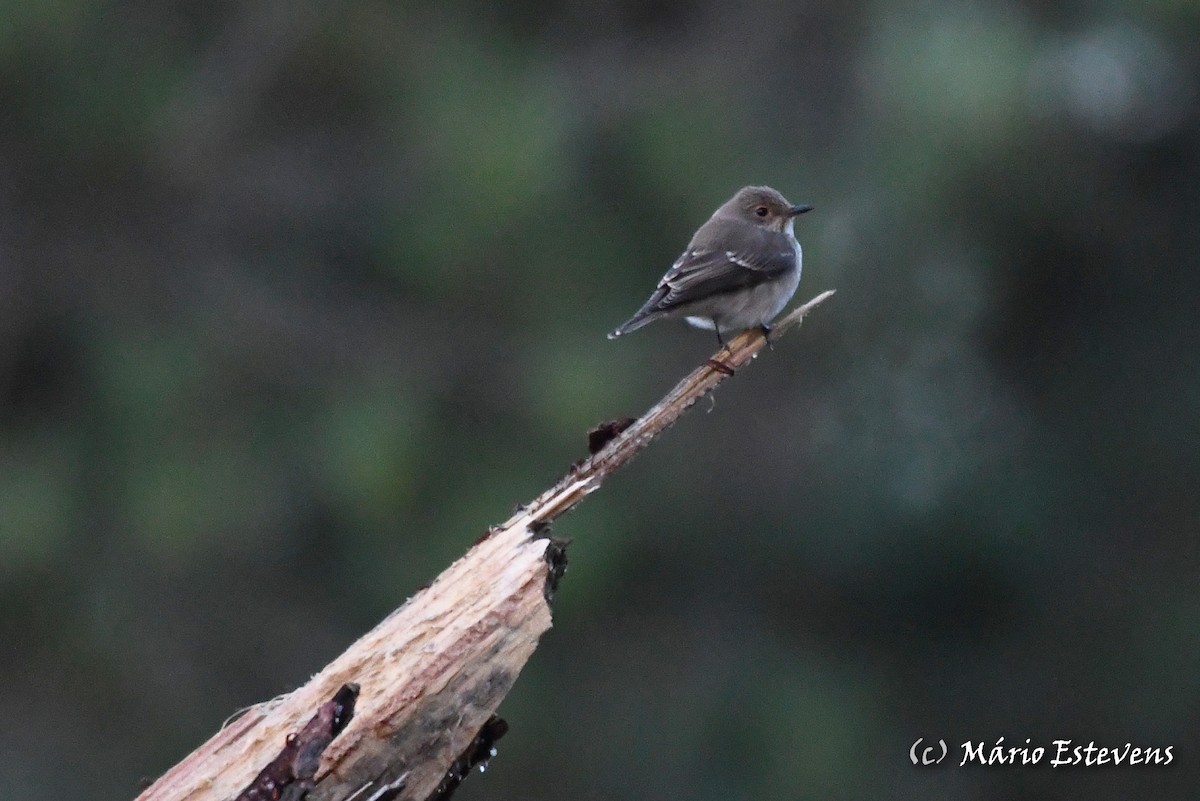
x=711 y=269
x=740 y=259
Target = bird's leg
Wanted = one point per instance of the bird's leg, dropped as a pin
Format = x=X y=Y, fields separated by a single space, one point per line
x=724 y=345
x=717 y=364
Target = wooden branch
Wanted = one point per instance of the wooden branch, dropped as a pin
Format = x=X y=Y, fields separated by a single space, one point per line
x=434 y=671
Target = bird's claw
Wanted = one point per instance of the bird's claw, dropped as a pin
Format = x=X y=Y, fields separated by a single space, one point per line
x=766 y=332
x=720 y=366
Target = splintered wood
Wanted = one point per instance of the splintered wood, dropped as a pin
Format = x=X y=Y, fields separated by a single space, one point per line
x=430 y=676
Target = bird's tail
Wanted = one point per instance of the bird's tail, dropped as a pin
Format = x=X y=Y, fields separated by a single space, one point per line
x=633 y=323
x=649 y=312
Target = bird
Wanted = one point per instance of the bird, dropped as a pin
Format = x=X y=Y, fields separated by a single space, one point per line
x=738 y=271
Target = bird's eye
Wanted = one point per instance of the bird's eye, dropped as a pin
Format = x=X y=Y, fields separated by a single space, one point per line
x=761 y=211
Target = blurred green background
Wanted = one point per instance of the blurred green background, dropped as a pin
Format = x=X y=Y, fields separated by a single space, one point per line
x=296 y=299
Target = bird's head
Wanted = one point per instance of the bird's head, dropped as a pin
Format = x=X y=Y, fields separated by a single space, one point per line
x=763 y=207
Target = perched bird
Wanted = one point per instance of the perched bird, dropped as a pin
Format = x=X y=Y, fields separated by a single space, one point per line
x=739 y=270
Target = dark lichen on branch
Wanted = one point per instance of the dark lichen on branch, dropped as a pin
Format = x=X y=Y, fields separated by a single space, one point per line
x=289 y=776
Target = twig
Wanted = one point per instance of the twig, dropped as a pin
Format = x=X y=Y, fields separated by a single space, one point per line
x=434 y=671
x=587 y=476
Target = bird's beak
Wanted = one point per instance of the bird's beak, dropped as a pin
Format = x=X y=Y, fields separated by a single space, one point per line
x=795 y=210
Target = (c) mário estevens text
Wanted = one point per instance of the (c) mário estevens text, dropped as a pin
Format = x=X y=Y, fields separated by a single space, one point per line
x=1064 y=753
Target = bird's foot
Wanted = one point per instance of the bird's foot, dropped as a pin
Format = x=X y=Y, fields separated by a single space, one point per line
x=720 y=366
x=766 y=332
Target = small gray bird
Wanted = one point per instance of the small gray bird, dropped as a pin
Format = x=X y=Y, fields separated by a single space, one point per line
x=739 y=270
